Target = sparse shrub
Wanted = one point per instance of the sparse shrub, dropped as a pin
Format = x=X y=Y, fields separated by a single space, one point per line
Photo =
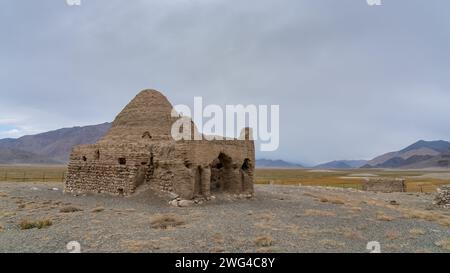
x=164 y=221
x=44 y=223
x=69 y=209
x=263 y=241
x=26 y=224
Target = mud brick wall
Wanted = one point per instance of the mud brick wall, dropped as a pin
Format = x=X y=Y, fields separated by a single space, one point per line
x=116 y=169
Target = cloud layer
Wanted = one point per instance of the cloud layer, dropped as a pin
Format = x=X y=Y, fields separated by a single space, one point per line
x=352 y=81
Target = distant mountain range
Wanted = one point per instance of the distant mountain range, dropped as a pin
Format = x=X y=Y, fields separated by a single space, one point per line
x=342 y=164
x=49 y=148
x=422 y=154
x=54 y=148
x=14 y=156
x=268 y=163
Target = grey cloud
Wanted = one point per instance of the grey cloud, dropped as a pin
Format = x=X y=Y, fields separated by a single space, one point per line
x=352 y=81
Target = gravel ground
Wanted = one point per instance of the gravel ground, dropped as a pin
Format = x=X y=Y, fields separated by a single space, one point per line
x=278 y=219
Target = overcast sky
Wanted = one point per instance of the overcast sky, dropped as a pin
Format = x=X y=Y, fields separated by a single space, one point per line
x=352 y=80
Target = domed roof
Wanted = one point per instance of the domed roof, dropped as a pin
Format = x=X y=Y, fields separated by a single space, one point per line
x=148 y=115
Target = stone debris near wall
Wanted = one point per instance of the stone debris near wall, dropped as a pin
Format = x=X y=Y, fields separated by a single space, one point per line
x=442 y=198
x=384 y=185
x=139 y=151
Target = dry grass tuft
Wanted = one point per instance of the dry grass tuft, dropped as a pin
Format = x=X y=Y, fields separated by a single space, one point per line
x=391 y=248
x=98 y=209
x=355 y=209
x=263 y=241
x=218 y=238
x=351 y=233
x=217 y=249
x=332 y=199
x=3 y=194
x=392 y=234
x=265 y=250
x=444 y=244
x=310 y=194
x=384 y=217
x=315 y=212
x=26 y=224
x=427 y=215
x=444 y=221
x=331 y=244
x=164 y=221
x=70 y=209
x=419 y=214
x=267 y=217
x=417 y=231
x=140 y=246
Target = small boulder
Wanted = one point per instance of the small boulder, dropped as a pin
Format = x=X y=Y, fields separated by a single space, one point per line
x=185 y=203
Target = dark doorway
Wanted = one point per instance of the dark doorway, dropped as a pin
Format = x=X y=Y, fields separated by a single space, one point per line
x=221 y=173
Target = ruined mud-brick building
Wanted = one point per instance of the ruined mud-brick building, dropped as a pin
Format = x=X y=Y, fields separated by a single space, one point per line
x=442 y=197
x=384 y=185
x=139 y=150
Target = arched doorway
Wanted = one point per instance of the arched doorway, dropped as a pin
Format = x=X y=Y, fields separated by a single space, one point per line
x=246 y=172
